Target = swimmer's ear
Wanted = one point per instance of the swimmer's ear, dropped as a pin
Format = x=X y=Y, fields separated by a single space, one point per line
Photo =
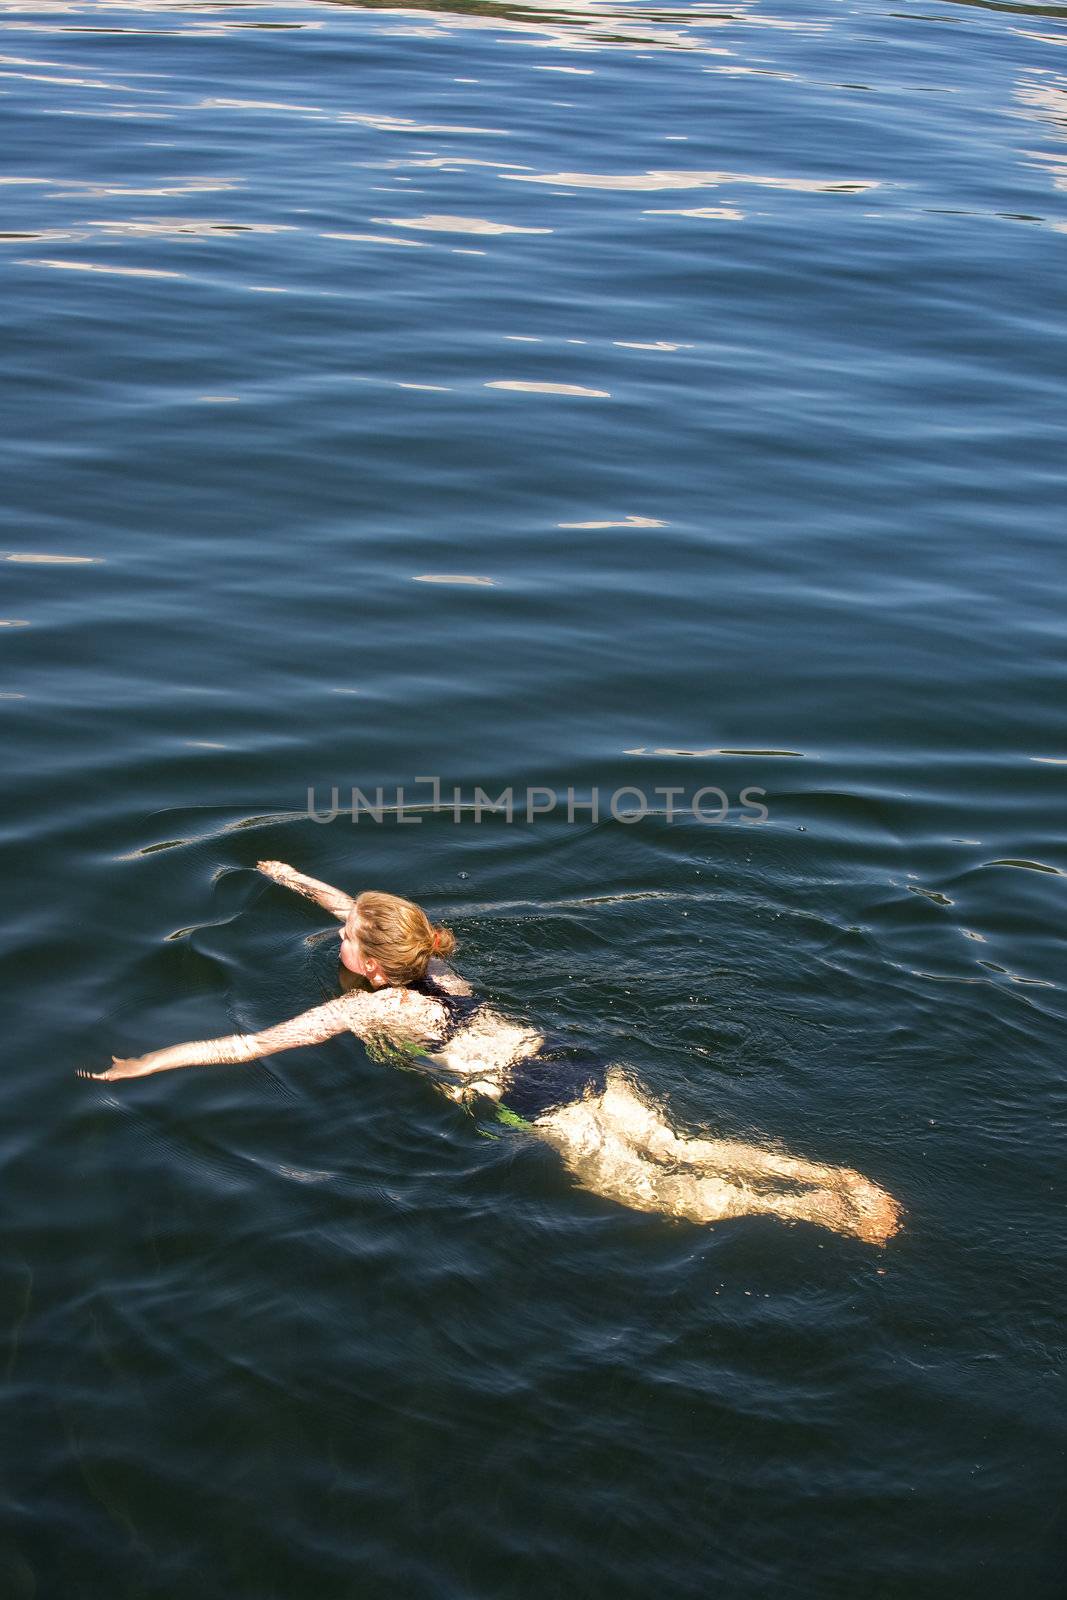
x=374 y=973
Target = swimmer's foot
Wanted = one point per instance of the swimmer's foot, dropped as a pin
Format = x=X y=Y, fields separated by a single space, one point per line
x=853 y=1206
x=876 y=1214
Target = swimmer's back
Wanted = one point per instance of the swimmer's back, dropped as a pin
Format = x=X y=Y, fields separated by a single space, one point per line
x=464 y=1034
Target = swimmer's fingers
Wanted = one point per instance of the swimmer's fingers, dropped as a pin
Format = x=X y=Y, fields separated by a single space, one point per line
x=277 y=870
x=128 y=1067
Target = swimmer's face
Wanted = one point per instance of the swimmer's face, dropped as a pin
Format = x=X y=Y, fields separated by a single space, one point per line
x=354 y=959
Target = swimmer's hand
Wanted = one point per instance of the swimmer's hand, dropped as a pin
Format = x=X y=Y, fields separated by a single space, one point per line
x=133 y=1066
x=278 y=870
x=335 y=901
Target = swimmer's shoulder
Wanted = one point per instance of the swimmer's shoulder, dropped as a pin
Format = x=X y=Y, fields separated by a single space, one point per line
x=442 y=976
x=400 y=1011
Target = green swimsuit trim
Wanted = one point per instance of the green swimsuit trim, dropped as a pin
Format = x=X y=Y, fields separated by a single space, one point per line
x=511 y=1118
x=400 y=1050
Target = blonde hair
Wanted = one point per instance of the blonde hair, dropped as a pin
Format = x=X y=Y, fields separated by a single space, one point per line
x=399 y=936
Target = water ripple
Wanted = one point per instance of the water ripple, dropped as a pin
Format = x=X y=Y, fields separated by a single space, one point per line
x=254 y=1310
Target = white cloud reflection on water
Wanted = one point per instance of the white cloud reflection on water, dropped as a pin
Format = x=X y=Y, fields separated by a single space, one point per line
x=680 y=179
x=448 y=224
x=623 y=522
x=93 y=266
x=178 y=227
x=709 y=213
x=377 y=238
x=522 y=386
x=32 y=558
x=658 y=345
x=454 y=577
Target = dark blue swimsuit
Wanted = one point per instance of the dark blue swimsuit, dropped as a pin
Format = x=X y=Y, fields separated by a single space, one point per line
x=553 y=1077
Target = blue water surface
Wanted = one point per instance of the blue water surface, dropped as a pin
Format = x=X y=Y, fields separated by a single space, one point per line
x=556 y=399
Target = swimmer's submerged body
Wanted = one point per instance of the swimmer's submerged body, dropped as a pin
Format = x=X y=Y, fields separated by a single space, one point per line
x=610 y=1137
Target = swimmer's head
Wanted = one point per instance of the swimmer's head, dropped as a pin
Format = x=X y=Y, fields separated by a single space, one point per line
x=388 y=940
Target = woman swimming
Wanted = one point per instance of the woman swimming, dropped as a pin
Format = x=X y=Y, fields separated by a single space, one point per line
x=610 y=1137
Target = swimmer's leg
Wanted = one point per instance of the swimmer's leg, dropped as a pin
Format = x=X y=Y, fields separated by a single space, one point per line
x=643 y=1124
x=868 y=1210
x=860 y=1206
x=618 y=1145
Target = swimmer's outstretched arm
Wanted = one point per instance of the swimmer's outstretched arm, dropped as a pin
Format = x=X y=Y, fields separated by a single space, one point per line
x=311 y=1027
x=335 y=901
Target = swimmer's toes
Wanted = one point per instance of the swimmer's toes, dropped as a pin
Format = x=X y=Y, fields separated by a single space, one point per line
x=880 y=1217
x=875 y=1214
